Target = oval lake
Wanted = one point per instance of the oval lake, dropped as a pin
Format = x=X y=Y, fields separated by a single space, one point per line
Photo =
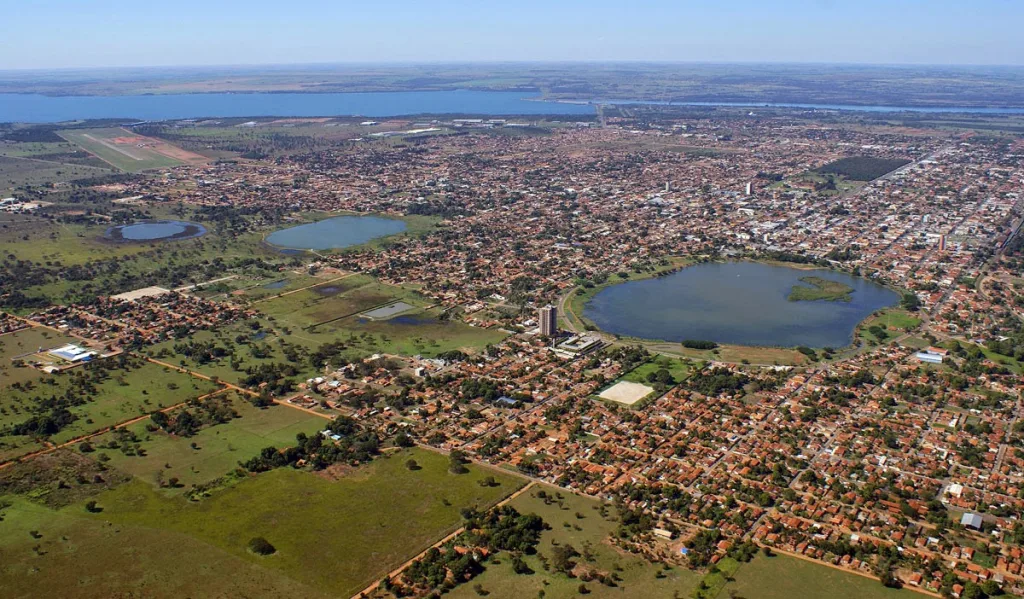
x=155 y=230
x=741 y=303
x=336 y=233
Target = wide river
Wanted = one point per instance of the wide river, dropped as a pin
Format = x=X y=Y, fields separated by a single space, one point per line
x=29 y=108
x=741 y=303
x=336 y=233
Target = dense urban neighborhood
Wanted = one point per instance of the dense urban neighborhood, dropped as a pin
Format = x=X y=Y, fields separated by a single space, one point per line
x=472 y=344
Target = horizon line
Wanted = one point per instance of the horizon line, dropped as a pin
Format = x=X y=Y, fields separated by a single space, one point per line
x=495 y=62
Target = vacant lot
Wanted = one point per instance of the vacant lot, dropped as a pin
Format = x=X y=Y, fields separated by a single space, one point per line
x=334 y=536
x=129 y=152
x=577 y=521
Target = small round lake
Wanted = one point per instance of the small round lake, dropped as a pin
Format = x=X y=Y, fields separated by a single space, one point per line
x=742 y=303
x=336 y=233
x=155 y=230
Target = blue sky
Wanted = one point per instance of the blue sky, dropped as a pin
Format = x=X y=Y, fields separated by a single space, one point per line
x=77 y=33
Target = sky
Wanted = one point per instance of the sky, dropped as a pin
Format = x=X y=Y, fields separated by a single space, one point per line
x=46 y=34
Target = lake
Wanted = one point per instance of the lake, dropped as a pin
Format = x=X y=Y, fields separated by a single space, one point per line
x=34 y=108
x=155 y=230
x=850 y=107
x=336 y=233
x=742 y=303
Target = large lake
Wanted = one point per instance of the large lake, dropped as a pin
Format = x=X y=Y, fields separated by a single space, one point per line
x=336 y=233
x=741 y=303
x=30 y=108
x=848 y=107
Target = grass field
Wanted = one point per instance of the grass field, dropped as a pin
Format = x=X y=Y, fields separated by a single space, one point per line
x=124 y=394
x=128 y=151
x=19 y=343
x=733 y=353
x=224 y=337
x=638 y=577
x=893 y=321
x=40 y=240
x=676 y=368
x=213 y=451
x=334 y=536
x=17 y=172
x=87 y=558
x=331 y=312
x=783 y=577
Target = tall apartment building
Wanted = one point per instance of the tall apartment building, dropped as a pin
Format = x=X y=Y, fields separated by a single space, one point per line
x=548 y=320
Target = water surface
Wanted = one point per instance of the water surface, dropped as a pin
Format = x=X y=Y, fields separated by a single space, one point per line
x=849 y=107
x=155 y=230
x=33 y=108
x=741 y=303
x=336 y=233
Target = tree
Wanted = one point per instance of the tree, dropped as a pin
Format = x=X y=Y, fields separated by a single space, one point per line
x=261 y=546
x=910 y=302
x=411 y=464
x=92 y=508
x=457 y=462
x=561 y=558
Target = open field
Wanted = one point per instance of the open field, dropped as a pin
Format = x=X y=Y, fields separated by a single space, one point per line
x=733 y=353
x=334 y=536
x=87 y=558
x=638 y=577
x=40 y=240
x=20 y=343
x=892 y=322
x=22 y=171
x=265 y=350
x=129 y=151
x=332 y=312
x=332 y=301
x=61 y=152
x=122 y=394
x=626 y=392
x=214 y=451
x=783 y=577
x=676 y=368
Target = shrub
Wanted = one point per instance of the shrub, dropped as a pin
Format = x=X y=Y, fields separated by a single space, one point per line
x=261 y=546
